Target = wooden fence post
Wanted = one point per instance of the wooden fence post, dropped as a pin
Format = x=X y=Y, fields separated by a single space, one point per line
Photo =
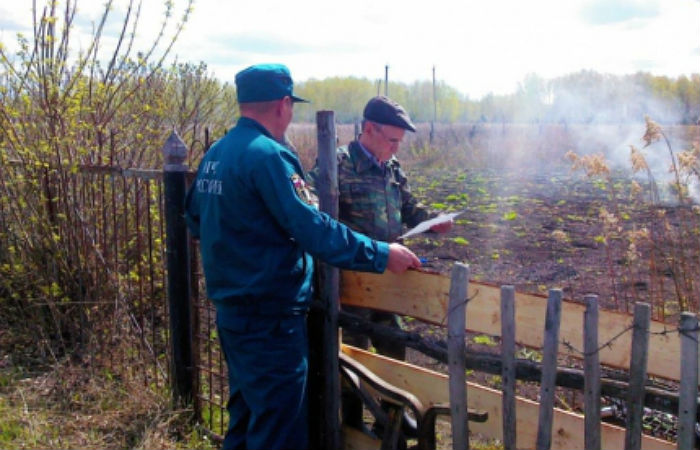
x=178 y=266
x=456 y=355
x=688 y=393
x=549 y=369
x=324 y=376
x=508 y=369
x=591 y=370
x=638 y=376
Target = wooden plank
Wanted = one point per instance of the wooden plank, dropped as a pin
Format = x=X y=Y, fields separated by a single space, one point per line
x=354 y=439
x=432 y=388
x=638 y=375
x=591 y=369
x=456 y=356
x=508 y=370
x=689 y=380
x=549 y=370
x=526 y=370
x=424 y=295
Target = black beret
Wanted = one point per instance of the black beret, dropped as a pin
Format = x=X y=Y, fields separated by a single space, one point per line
x=384 y=110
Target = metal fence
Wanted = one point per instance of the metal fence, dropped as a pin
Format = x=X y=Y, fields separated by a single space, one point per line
x=107 y=252
x=121 y=229
x=211 y=379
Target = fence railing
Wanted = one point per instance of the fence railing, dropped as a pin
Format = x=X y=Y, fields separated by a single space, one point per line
x=107 y=222
x=513 y=318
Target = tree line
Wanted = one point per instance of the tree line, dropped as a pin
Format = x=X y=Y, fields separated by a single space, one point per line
x=583 y=97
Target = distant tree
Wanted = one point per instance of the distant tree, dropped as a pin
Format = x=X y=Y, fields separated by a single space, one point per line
x=346 y=96
x=582 y=97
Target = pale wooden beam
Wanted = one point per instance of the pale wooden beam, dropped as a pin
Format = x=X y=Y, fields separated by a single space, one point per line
x=432 y=387
x=425 y=295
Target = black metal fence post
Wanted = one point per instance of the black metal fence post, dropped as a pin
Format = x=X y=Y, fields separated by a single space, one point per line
x=178 y=265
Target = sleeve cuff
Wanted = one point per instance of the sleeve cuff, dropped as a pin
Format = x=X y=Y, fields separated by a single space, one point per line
x=382 y=259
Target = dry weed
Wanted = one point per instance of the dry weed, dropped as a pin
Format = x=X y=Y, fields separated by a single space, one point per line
x=75 y=407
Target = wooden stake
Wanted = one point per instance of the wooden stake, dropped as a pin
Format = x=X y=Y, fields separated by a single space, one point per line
x=591 y=368
x=508 y=371
x=549 y=369
x=456 y=355
x=638 y=375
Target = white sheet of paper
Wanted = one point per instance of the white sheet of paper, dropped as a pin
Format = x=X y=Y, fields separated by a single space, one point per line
x=427 y=224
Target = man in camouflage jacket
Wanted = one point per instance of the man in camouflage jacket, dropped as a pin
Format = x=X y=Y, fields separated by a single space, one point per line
x=375 y=199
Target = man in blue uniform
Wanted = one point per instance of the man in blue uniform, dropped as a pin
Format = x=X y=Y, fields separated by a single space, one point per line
x=258 y=230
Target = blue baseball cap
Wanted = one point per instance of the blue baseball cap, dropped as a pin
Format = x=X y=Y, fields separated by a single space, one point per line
x=264 y=83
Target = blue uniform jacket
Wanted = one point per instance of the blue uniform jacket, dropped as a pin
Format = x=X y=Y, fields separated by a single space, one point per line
x=256 y=232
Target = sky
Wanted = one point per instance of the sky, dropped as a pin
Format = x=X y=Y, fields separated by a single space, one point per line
x=476 y=47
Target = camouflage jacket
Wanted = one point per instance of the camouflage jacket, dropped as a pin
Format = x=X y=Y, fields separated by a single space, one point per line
x=374 y=201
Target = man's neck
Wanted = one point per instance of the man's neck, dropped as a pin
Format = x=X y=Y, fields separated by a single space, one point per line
x=363 y=141
x=268 y=122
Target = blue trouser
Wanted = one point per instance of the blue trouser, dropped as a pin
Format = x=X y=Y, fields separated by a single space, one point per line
x=267 y=358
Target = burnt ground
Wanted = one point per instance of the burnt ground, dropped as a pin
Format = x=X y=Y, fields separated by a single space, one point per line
x=539 y=232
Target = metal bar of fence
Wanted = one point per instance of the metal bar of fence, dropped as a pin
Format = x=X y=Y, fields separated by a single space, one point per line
x=115 y=243
x=222 y=389
x=163 y=276
x=151 y=278
x=211 y=402
x=214 y=373
x=196 y=310
x=211 y=375
x=136 y=263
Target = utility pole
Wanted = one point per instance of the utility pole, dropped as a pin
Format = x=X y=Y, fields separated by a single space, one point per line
x=432 y=124
x=386 y=80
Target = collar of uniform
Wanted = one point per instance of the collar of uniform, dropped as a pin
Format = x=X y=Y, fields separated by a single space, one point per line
x=252 y=123
x=362 y=158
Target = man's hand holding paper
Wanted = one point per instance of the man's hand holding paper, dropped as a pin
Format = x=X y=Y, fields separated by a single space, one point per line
x=439 y=224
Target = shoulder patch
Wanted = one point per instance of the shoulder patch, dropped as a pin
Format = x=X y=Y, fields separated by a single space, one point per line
x=303 y=191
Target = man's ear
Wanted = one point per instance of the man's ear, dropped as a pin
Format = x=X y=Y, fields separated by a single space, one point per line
x=282 y=104
x=279 y=106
